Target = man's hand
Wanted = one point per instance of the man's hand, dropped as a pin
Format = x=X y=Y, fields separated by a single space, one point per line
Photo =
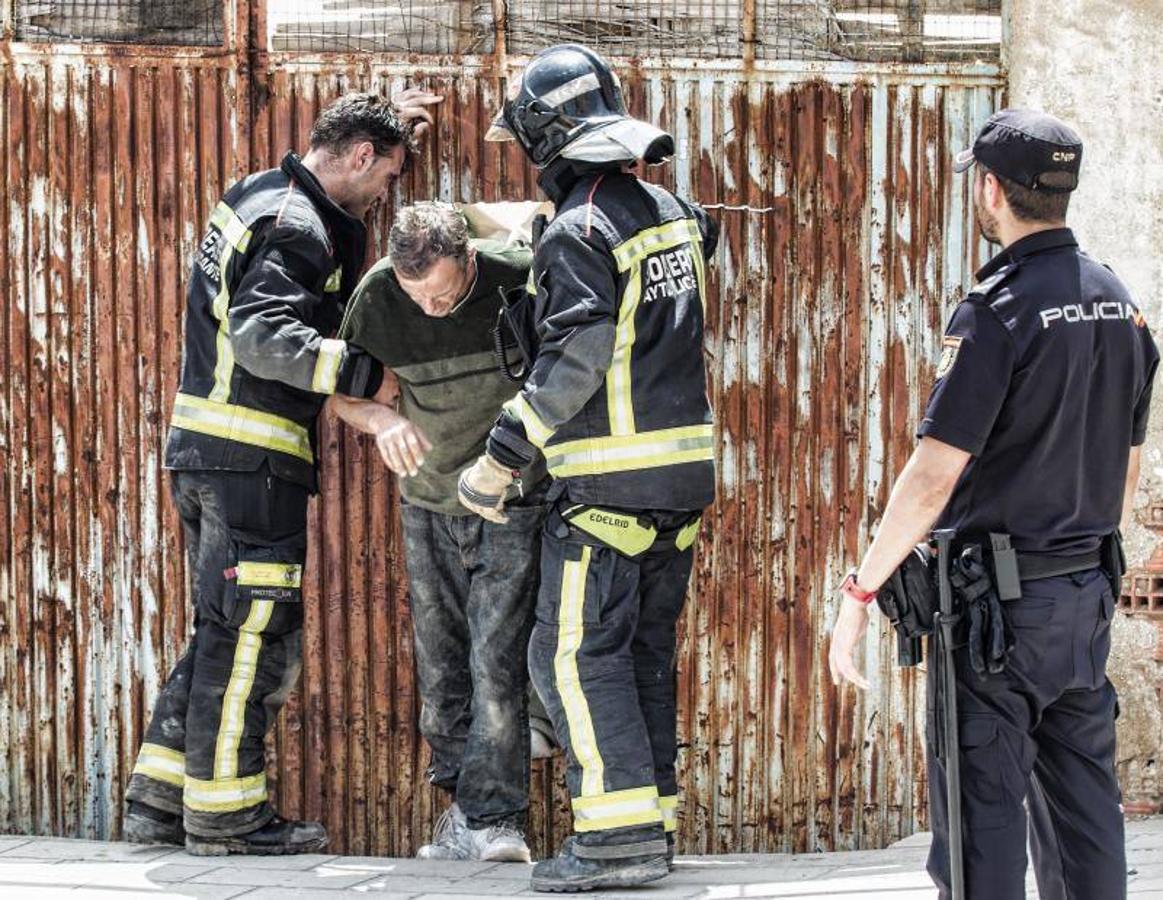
x=851 y=624
x=411 y=105
x=482 y=488
x=402 y=444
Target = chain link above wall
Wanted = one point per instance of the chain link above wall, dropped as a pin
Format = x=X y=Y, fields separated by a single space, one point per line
x=183 y=22
x=863 y=30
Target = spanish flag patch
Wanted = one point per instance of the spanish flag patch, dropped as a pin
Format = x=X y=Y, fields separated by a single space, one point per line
x=949 y=348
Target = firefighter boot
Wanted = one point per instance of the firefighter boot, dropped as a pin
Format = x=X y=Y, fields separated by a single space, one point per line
x=279 y=837
x=616 y=858
x=146 y=825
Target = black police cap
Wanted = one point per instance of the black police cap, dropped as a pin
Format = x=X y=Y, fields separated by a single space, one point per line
x=1035 y=149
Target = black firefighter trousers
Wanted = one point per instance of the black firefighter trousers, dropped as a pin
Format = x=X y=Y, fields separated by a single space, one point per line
x=602 y=657
x=1042 y=731
x=246 y=537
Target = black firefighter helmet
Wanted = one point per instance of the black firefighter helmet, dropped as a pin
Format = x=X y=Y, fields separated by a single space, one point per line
x=569 y=104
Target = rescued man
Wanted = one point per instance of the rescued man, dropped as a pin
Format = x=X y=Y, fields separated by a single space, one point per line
x=427 y=312
x=616 y=404
x=283 y=252
x=1033 y=430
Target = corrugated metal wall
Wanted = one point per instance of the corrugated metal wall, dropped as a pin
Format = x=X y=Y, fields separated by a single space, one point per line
x=826 y=312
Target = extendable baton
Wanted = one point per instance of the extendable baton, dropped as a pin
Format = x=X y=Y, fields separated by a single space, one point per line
x=945 y=621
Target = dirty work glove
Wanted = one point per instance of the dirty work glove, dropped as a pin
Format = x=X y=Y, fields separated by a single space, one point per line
x=482 y=488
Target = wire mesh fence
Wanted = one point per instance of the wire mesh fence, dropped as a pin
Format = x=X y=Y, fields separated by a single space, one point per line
x=394 y=26
x=874 y=30
x=189 y=22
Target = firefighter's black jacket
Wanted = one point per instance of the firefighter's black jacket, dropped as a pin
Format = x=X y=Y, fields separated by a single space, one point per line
x=270 y=279
x=616 y=399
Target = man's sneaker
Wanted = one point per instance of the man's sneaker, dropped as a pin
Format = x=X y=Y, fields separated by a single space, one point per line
x=580 y=867
x=540 y=746
x=497 y=843
x=453 y=839
x=446 y=837
x=279 y=837
x=147 y=825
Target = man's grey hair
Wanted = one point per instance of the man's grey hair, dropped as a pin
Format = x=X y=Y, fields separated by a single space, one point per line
x=425 y=233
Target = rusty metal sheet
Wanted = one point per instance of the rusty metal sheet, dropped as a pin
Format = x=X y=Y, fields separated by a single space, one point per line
x=845 y=243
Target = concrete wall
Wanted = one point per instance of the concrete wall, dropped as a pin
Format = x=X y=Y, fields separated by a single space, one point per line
x=1097 y=64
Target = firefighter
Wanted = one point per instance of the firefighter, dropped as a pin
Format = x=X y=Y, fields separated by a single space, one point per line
x=616 y=403
x=283 y=252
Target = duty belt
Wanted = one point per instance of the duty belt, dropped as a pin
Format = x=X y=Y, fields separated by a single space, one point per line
x=1011 y=568
x=632 y=536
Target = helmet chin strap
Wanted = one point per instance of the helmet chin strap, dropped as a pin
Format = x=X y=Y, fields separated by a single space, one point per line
x=559 y=176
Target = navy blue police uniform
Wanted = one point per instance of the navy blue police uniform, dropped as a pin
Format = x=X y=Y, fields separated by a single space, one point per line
x=1045 y=378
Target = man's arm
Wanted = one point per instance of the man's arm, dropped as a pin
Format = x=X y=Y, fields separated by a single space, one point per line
x=1134 y=462
x=402 y=445
x=268 y=316
x=918 y=497
x=577 y=346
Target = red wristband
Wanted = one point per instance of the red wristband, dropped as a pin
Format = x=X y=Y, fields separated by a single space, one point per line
x=850 y=588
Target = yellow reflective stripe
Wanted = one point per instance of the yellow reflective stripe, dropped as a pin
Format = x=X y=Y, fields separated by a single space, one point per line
x=225 y=794
x=619 y=531
x=653 y=240
x=687 y=535
x=237 y=237
x=266 y=574
x=161 y=764
x=700 y=273
x=619 y=398
x=326 y=375
x=570 y=631
x=237 y=423
x=238 y=688
x=334 y=281
x=617 y=809
x=624 y=453
x=232 y=227
x=669 y=807
x=220 y=308
x=536 y=430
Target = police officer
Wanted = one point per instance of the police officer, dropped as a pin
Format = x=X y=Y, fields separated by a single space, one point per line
x=282 y=254
x=616 y=401
x=1032 y=430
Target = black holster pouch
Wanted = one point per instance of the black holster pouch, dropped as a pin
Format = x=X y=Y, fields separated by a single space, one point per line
x=988 y=637
x=908 y=599
x=1114 y=561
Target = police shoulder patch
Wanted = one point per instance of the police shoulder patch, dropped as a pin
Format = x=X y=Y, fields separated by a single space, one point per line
x=988 y=285
x=950 y=347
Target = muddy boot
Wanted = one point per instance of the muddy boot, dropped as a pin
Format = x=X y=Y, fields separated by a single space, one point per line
x=616 y=858
x=146 y=825
x=279 y=837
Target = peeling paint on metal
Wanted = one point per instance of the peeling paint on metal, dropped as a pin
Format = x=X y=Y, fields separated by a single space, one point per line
x=828 y=292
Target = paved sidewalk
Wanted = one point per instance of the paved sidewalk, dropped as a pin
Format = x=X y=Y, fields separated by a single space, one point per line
x=50 y=867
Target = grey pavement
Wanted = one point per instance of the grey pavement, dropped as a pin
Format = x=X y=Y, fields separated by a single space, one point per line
x=54 y=867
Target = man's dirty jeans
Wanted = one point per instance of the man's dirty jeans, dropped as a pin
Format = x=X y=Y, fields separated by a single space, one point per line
x=473 y=587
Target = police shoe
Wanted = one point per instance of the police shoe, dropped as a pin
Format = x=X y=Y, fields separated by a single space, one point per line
x=670 y=851
x=279 y=837
x=146 y=825
x=639 y=856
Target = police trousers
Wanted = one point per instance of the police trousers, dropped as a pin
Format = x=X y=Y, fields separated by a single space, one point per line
x=1043 y=732
x=602 y=657
x=246 y=540
x=472 y=585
